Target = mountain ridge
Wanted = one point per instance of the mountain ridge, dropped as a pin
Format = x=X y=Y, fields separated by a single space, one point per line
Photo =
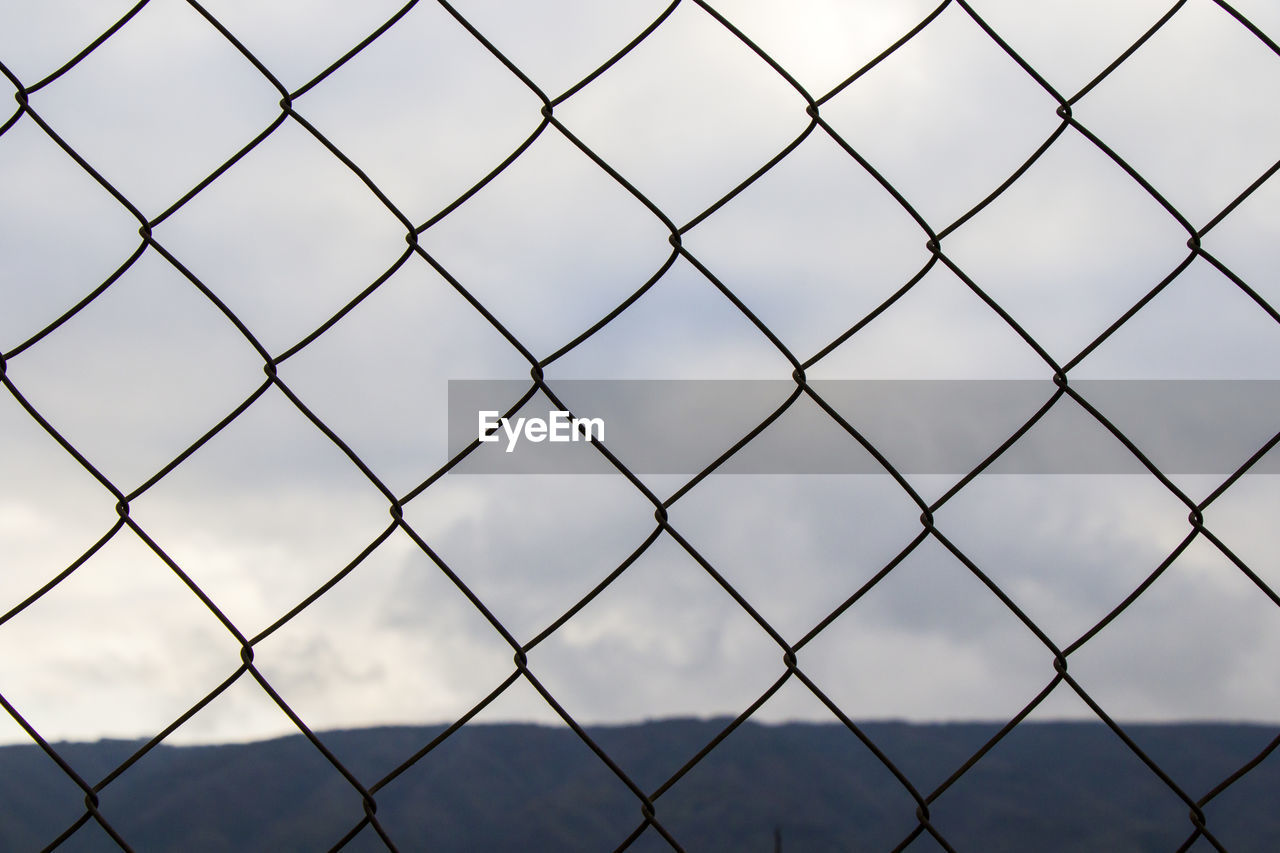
x=530 y=787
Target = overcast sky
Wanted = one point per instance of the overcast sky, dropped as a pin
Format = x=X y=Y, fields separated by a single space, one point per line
x=270 y=509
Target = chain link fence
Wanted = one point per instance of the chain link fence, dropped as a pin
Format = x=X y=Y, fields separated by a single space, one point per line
x=811 y=108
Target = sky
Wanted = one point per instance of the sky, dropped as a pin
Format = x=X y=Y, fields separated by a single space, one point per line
x=270 y=508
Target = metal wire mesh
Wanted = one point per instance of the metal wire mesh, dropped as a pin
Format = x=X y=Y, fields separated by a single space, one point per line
x=790 y=666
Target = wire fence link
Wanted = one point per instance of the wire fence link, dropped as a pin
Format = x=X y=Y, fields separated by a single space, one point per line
x=790 y=663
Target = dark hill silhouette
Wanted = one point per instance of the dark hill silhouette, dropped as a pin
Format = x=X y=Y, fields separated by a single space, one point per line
x=1046 y=787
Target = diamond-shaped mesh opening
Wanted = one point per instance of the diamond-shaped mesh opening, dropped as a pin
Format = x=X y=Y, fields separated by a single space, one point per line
x=1186 y=110
x=159 y=105
x=687 y=114
x=506 y=244
x=41 y=277
x=932 y=101
x=353 y=376
x=244 y=248
x=814 y=242
x=1067 y=270
x=98 y=372
x=298 y=236
x=468 y=112
x=294 y=543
